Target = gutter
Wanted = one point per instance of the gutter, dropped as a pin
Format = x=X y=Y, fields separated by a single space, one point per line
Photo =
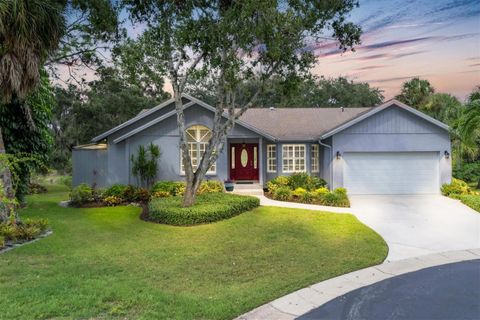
x=331 y=161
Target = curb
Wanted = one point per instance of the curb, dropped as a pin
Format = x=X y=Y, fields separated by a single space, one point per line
x=304 y=300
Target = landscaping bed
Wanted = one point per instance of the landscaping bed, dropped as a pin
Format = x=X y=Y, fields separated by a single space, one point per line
x=14 y=233
x=105 y=263
x=209 y=207
x=302 y=188
x=460 y=190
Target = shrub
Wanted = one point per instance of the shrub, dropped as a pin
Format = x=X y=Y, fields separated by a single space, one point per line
x=35 y=188
x=22 y=231
x=469 y=172
x=41 y=224
x=299 y=192
x=209 y=207
x=316 y=183
x=282 y=194
x=342 y=191
x=318 y=193
x=210 y=186
x=473 y=201
x=456 y=188
x=172 y=187
x=275 y=183
x=2 y=242
x=299 y=180
x=295 y=181
x=307 y=197
x=177 y=188
x=161 y=194
x=112 y=201
x=142 y=195
x=129 y=193
x=117 y=190
x=81 y=194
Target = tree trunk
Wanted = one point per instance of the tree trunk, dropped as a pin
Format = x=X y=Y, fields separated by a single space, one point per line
x=190 y=192
x=8 y=190
x=478 y=184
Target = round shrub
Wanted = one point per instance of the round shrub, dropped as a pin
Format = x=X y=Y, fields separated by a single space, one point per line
x=81 y=194
x=210 y=186
x=129 y=193
x=275 y=183
x=307 y=197
x=117 y=190
x=299 y=192
x=299 y=180
x=456 y=188
x=112 y=201
x=282 y=193
x=142 y=195
x=209 y=207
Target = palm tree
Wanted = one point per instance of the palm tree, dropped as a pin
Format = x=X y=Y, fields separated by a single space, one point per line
x=470 y=125
x=415 y=92
x=30 y=30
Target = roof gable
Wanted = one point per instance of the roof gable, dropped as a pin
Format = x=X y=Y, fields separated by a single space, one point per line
x=376 y=110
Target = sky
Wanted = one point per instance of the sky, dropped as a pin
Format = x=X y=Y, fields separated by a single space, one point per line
x=437 y=40
x=434 y=40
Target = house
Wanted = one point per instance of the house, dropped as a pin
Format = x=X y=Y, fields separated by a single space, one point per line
x=388 y=149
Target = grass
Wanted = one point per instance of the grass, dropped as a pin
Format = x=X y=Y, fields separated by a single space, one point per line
x=107 y=263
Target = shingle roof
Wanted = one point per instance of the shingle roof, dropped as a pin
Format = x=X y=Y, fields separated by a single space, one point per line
x=299 y=123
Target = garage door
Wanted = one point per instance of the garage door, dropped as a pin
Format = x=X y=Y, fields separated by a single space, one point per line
x=391 y=173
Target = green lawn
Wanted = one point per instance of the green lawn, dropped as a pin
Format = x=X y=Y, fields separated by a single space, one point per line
x=107 y=263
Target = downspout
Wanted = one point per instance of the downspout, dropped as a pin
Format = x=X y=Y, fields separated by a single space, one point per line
x=331 y=161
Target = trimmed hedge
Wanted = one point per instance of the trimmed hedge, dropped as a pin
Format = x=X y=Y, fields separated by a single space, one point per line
x=209 y=207
x=473 y=201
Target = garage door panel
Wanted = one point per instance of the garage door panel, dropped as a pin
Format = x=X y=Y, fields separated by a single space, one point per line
x=391 y=173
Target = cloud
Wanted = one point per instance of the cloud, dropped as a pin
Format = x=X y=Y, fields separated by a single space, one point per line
x=474 y=65
x=392 y=43
x=370 y=67
x=393 y=79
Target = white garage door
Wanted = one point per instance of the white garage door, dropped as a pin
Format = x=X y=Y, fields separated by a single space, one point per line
x=391 y=173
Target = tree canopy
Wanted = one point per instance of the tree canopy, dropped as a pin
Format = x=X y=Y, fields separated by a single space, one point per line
x=231 y=42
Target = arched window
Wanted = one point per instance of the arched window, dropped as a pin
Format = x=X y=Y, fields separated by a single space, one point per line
x=197 y=140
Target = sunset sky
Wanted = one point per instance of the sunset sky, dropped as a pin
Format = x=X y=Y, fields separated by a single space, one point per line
x=438 y=40
x=435 y=40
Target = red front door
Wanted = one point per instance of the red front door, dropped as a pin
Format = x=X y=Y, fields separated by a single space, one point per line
x=244 y=161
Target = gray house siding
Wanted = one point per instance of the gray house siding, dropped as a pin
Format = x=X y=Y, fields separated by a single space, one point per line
x=90 y=166
x=391 y=130
x=165 y=135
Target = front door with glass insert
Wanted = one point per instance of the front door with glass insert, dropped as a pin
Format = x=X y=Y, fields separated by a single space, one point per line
x=244 y=161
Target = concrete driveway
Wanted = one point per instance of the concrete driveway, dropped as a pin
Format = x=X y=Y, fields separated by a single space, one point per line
x=416 y=225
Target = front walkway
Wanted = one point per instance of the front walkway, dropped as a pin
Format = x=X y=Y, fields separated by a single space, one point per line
x=307 y=299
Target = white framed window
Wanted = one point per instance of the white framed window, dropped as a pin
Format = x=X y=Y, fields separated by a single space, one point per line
x=314 y=157
x=293 y=158
x=197 y=141
x=271 y=158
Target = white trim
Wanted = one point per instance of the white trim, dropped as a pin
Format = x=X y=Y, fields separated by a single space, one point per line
x=270 y=145
x=197 y=144
x=294 y=158
x=318 y=158
x=149 y=124
x=381 y=107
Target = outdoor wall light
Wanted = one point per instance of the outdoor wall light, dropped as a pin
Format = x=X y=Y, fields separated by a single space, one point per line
x=447 y=154
x=339 y=155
